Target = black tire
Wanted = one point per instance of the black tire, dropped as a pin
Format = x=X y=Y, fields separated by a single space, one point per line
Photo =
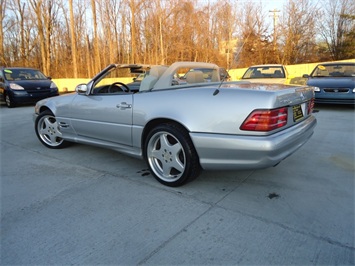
x=9 y=102
x=170 y=155
x=48 y=131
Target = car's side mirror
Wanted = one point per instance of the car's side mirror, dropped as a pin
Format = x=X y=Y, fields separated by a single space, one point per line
x=306 y=76
x=81 y=88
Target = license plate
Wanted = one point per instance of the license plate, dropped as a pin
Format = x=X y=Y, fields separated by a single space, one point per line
x=298 y=111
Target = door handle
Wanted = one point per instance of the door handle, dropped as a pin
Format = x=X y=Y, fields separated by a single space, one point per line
x=124 y=106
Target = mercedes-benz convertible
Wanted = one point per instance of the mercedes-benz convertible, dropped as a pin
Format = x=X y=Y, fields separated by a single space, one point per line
x=180 y=129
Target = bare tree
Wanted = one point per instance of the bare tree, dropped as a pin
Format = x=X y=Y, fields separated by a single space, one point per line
x=298 y=32
x=255 y=46
x=337 y=28
x=226 y=23
x=58 y=36
x=133 y=6
x=2 y=17
x=73 y=39
x=110 y=18
x=97 y=59
x=45 y=14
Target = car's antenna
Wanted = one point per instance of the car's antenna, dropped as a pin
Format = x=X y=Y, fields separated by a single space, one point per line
x=220 y=84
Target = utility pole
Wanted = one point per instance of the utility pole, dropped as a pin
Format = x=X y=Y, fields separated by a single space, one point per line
x=275 y=16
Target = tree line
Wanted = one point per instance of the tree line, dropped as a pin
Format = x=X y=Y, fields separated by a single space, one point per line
x=78 y=38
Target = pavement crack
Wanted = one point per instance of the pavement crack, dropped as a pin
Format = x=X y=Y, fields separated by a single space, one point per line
x=293 y=230
x=166 y=242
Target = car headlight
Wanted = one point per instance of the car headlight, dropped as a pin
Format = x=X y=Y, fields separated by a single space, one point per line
x=353 y=89
x=53 y=86
x=16 y=87
x=316 y=89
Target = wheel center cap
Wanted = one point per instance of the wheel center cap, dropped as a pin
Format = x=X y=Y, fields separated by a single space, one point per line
x=167 y=156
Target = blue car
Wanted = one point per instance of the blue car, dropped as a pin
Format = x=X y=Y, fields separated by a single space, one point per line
x=333 y=83
x=20 y=85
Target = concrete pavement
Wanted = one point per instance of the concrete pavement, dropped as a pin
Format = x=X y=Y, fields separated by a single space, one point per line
x=88 y=206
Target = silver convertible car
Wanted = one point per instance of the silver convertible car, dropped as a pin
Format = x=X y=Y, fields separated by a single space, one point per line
x=181 y=129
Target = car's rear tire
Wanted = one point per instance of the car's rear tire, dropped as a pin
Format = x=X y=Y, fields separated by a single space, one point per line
x=170 y=155
x=48 y=131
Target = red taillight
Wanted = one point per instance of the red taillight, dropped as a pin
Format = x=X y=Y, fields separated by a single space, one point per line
x=265 y=120
x=310 y=106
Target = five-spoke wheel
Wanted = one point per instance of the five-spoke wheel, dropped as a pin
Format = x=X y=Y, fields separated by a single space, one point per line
x=171 y=155
x=48 y=131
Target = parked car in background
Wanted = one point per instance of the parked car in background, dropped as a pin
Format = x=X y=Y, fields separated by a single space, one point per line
x=266 y=74
x=333 y=82
x=19 y=85
x=209 y=75
x=181 y=129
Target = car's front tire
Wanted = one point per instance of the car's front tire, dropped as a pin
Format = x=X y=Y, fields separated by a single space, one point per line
x=9 y=102
x=48 y=131
x=170 y=155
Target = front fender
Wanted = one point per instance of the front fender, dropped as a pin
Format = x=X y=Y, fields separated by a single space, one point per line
x=58 y=105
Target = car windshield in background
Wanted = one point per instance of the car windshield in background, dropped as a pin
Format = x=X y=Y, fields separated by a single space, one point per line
x=208 y=74
x=264 y=72
x=23 y=74
x=334 y=70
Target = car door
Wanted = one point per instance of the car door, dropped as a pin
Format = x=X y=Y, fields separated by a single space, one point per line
x=103 y=117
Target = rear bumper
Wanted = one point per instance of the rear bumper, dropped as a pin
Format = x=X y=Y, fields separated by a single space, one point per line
x=231 y=152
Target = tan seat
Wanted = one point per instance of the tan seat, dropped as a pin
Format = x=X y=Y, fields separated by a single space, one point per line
x=215 y=76
x=256 y=74
x=278 y=74
x=154 y=74
x=194 y=77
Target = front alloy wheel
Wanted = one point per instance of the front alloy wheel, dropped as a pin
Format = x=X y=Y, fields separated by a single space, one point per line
x=171 y=155
x=48 y=131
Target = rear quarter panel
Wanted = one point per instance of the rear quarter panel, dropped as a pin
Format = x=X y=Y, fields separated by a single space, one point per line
x=203 y=109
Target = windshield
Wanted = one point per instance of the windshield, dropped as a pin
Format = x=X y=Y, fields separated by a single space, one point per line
x=110 y=77
x=334 y=70
x=263 y=72
x=23 y=74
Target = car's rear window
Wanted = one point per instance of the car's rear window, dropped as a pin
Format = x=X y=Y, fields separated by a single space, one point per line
x=264 y=72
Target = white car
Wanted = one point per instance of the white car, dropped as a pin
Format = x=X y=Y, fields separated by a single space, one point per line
x=266 y=74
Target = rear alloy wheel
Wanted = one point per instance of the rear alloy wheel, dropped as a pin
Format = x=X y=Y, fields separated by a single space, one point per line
x=171 y=155
x=48 y=131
